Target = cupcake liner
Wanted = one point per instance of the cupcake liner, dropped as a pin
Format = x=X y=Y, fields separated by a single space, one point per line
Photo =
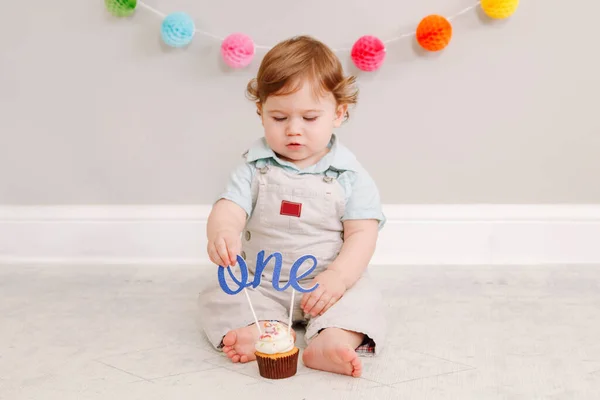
x=278 y=367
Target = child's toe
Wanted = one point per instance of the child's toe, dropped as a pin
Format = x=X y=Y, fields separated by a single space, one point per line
x=230 y=339
x=357 y=367
x=231 y=353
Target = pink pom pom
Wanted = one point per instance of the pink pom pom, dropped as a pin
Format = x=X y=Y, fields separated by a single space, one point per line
x=237 y=50
x=368 y=53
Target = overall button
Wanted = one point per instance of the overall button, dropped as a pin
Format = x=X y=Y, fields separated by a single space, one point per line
x=243 y=254
x=247 y=235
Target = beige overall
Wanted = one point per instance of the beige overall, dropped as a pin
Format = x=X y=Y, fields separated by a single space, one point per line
x=295 y=215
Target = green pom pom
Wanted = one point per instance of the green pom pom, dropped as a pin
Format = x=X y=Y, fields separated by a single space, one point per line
x=120 y=8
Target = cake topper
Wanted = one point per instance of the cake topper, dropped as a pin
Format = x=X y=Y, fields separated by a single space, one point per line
x=242 y=283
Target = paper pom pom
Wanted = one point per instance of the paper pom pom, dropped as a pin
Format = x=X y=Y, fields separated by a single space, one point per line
x=434 y=32
x=499 y=9
x=368 y=53
x=178 y=29
x=237 y=50
x=120 y=8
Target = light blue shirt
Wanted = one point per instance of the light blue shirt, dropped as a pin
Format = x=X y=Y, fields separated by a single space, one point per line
x=361 y=193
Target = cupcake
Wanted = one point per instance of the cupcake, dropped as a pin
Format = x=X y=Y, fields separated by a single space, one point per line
x=276 y=355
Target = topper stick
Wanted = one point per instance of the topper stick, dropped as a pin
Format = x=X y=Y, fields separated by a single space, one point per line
x=253 y=312
x=291 y=312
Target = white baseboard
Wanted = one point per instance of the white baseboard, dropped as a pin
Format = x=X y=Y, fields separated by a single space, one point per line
x=414 y=234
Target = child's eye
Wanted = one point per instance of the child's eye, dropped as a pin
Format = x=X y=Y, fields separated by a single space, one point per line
x=279 y=119
x=310 y=119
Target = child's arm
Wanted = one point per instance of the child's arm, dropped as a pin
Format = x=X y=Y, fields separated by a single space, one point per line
x=225 y=224
x=360 y=237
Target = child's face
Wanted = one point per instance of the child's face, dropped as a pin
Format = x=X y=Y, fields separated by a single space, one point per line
x=298 y=126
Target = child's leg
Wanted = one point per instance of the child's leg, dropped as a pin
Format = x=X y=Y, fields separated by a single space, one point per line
x=352 y=326
x=228 y=322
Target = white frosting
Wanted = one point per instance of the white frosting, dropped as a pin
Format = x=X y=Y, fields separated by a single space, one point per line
x=275 y=339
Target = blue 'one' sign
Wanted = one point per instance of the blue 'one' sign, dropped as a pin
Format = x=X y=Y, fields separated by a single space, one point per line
x=261 y=263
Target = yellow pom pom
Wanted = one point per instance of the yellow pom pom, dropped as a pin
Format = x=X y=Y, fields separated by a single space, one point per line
x=499 y=9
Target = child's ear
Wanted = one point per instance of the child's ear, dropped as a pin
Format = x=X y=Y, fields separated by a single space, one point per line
x=259 y=112
x=340 y=115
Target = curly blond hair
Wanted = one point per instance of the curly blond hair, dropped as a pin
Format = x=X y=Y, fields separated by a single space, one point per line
x=286 y=65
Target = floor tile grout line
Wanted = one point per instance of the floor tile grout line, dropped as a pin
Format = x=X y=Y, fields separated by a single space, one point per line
x=433 y=376
x=122 y=370
x=233 y=370
x=306 y=372
x=258 y=379
x=130 y=352
x=150 y=349
x=208 y=360
x=185 y=373
x=379 y=384
x=440 y=358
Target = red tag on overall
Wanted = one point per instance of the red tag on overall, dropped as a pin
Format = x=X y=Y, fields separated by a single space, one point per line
x=291 y=209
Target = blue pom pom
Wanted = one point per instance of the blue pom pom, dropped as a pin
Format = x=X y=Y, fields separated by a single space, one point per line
x=178 y=29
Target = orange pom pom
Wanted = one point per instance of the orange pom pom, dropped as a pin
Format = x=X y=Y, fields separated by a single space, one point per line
x=434 y=32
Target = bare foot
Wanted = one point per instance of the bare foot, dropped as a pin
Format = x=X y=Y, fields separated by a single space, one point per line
x=239 y=343
x=333 y=351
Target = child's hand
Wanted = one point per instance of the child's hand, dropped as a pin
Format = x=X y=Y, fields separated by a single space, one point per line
x=224 y=248
x=331 y=288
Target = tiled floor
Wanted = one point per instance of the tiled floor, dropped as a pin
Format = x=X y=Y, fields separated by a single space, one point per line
x=484 y=333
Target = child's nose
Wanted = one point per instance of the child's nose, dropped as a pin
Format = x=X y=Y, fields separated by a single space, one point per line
x=293 y=131
x=293 y=128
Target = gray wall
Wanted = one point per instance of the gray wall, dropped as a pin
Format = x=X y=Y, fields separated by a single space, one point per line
x=96 y=110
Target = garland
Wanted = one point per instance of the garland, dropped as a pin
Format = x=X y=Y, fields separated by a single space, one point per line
x=433 y=33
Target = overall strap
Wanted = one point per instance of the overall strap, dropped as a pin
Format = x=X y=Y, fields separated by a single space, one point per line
x=331 y=174
x=262 y=165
